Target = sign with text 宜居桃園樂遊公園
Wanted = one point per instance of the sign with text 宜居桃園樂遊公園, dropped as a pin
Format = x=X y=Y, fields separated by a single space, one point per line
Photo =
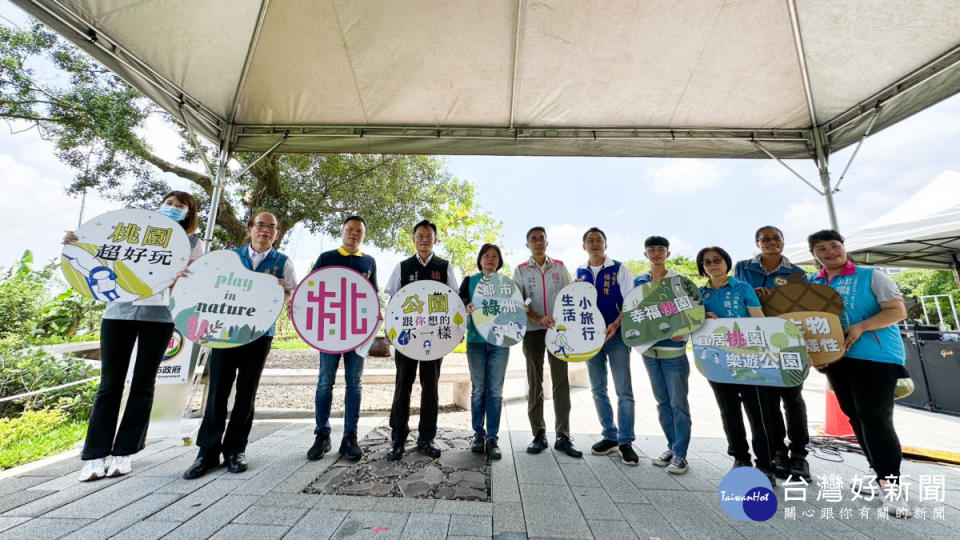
x=762 y=351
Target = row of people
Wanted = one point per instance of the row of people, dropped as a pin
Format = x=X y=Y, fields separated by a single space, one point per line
x=861 y=379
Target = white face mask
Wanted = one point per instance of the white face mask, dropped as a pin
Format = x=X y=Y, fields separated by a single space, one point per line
x=173 y=212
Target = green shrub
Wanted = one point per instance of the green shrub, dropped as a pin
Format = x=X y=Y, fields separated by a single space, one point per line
x=36 y=434
x=24 y=369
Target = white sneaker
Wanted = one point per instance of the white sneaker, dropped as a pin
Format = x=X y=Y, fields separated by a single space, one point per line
x=93 y=469
x=119 y=466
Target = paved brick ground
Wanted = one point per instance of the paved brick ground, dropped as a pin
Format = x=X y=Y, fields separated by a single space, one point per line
x=548 y=495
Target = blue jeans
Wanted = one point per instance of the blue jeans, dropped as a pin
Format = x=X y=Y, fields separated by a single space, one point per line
x=668 y=379
x=618 y=355
x=353 y=372
x=488 y=367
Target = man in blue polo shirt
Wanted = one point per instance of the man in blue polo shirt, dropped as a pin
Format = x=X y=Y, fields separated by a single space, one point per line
x=766 y=271
x=613 y=281
x=350 y=256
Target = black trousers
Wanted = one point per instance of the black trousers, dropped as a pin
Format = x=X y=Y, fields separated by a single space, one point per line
x=244 y=365
x=117 y=338
x=756 y=402
x=429 y=399
x=865 y=392
x=795 y=411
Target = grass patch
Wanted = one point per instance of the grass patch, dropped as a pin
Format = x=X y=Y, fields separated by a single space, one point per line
x=37 y=434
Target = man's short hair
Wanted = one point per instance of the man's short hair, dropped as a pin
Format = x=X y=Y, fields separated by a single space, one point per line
x=355 y=218
x=538 y=228
x=656 y=241
x=425 y=223
x=253 y=217
x=594 y=230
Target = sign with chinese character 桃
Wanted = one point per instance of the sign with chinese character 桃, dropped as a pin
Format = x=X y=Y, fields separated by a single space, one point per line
x=221 y=304
x=661 y=309
x=335 y=309
x=425 y=320
x=498 y=311
x=823 y=334
x=798 y=296
x=580 y=330
x=125 y=255
x=762 y=351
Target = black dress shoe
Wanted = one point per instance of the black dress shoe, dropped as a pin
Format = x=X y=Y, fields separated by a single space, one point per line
x=539 y=443
x=565 y=445
x=349 y=449
x=493 y=451
x=781 y=465
x=396 y=452
x=201 y=466
x=478 y=444
x=737 y=463
x=236 y=463
x=427 y=448
x=321 y=445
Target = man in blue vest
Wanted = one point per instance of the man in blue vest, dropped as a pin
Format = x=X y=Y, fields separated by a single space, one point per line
x=613 y=281
x=422 y=266
x=350 y=256
x=243 y=364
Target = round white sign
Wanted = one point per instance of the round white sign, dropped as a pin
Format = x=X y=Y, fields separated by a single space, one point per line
x=426 y=320
x=335 y=309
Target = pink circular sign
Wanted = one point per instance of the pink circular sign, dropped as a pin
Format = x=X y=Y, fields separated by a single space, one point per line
x=335 y=309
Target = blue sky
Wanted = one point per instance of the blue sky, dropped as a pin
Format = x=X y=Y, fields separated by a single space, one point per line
x=694 y=202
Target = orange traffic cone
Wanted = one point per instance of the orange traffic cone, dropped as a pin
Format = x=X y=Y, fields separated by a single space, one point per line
x=838 y=425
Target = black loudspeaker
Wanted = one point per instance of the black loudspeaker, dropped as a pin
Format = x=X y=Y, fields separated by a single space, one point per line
x=941 y=362
x=920 y=398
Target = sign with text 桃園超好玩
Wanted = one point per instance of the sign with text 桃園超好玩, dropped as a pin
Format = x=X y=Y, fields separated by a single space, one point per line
x=222 y=304
x=125 y=255
x=335 y=309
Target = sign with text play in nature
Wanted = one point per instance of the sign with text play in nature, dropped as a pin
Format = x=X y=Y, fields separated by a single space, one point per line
x=335 y=309
x=426 y=320
x=125 y=255
x=762 y=351
x=580 y=330
x=823 y=334
x=661 y=309
x=498 y=311
x=221 y=304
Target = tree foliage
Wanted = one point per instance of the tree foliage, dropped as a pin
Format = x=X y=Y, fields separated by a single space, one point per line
x=98 y=123
x=916 y=282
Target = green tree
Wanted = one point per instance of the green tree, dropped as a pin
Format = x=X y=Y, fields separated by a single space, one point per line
x=916 y=282
x=22 y=294
x=97 y=123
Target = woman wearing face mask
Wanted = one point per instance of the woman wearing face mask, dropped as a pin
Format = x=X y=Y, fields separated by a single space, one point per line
x=487 y=362
x=148 y=324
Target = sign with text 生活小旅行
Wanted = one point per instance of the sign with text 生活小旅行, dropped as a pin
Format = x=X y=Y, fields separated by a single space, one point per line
x=335 y=309
x=425 y=320
x=580 y=330
x=125 y=255
x=498 y=310
x=221 y=304
x=761 y=351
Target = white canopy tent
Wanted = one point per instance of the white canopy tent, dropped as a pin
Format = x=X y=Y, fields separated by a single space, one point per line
x=694 y=78
x=922 y=232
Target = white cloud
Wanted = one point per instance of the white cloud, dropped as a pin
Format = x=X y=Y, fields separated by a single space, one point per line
x=683 y=177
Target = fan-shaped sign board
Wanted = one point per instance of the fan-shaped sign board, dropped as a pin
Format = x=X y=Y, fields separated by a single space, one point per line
x=661 y=309
x=761 y=351
x=125 y=255
x=580 y=330
x=823 y=334
x=335 y=309
x=426 y=320
x=498 y=310
x=222 y=304
x=798 y=296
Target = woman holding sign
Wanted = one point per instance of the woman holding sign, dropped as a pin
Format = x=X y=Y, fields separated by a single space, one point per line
x=865 y=378
x=147 y=325
x=487 y=362
x=724 y=297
